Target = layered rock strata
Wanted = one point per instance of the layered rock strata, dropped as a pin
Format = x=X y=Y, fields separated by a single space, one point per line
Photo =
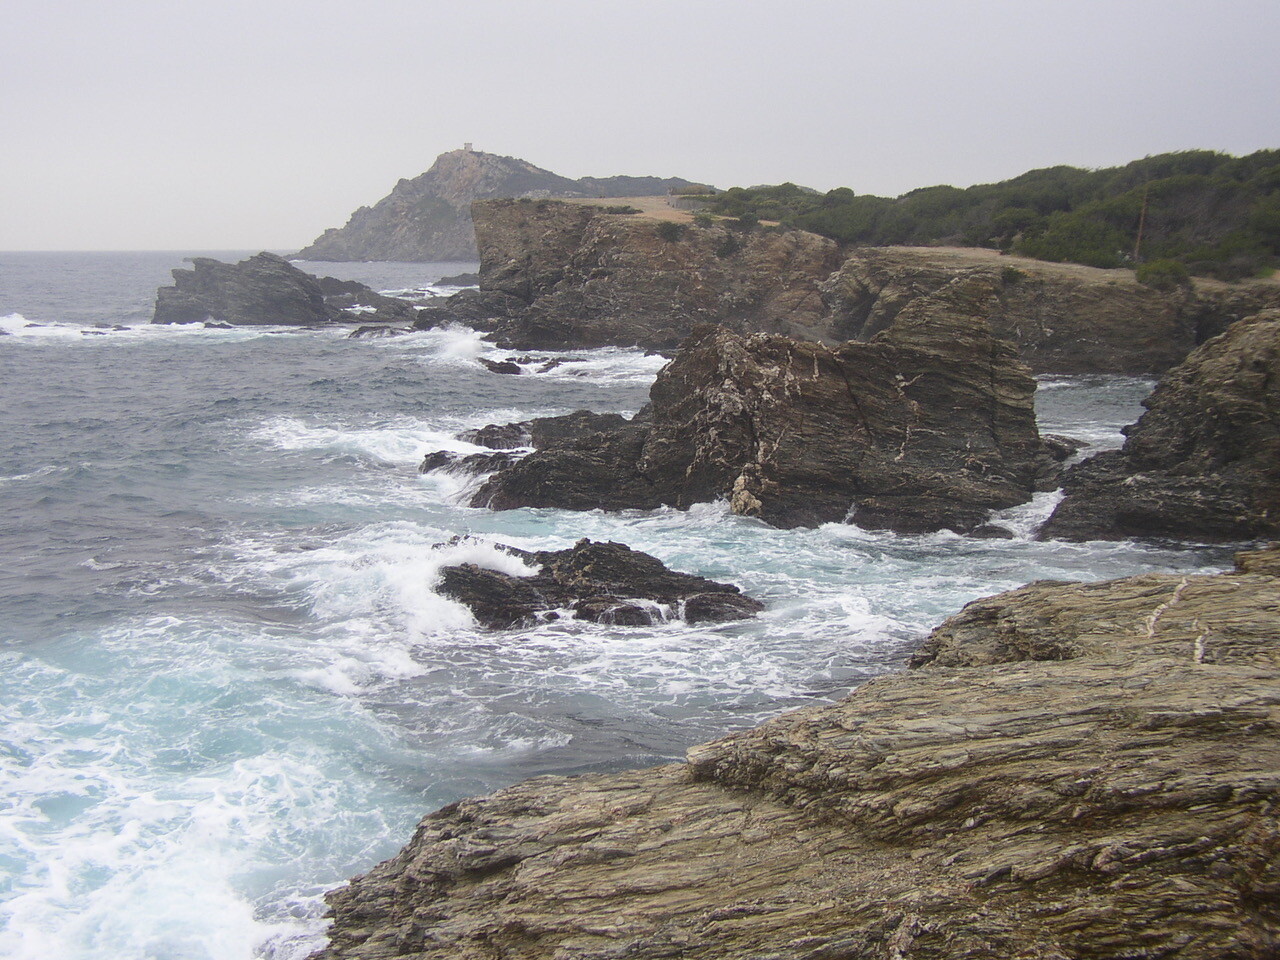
x=429 y=217
x=557 y=274
x=1064 y=318
x=586 y=277
x=1203 y=463
x=603 y=582
x=1071 y=771
x=930 y=425
x=267 y=290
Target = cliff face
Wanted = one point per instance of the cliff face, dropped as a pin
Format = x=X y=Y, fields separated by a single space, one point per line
x=592 y=278
x=429 y=217
x=1083 y=771
x=1203 y=463
x=1064 y=318
x=589 y=278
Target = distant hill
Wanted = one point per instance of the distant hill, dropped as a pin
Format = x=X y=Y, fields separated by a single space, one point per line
x=429 y=217
x=1196 y=211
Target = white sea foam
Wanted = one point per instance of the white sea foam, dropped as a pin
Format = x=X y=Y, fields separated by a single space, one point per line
x=1026 y=518
x=400 y=440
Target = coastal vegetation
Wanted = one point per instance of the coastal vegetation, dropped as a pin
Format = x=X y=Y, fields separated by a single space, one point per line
x=1211 y=213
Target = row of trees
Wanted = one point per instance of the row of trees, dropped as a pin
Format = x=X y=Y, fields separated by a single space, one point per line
x=1214 y=214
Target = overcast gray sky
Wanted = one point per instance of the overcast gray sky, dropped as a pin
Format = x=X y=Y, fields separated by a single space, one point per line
x=172 y=124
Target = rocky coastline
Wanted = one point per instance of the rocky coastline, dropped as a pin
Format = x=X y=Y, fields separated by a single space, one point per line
x=556 y=274
x=1068 y=770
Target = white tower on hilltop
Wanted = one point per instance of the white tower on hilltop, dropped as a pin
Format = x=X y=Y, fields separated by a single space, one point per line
x=467 y=146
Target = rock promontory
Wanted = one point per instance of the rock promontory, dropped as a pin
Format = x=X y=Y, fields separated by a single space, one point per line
x=267 y=290
x=566 y=274
x=586 y=276
x=428 y=218
x=930 y=425
x=1080 y=771
x=1203 y=463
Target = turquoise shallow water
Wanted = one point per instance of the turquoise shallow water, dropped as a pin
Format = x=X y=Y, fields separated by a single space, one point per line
x=228 y=681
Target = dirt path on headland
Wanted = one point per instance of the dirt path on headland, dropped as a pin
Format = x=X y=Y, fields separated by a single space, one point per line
x=655 y=208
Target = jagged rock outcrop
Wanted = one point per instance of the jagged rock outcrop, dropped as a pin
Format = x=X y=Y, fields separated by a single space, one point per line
x=429 y=217
x=603 y=582
x=268 y=290
x=1203 y=463
x=1084 y=771
x=1065 y=318
x=588 y=277
x=930 y=425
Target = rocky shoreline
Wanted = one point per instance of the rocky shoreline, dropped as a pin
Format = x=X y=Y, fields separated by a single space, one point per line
x=1068 y=770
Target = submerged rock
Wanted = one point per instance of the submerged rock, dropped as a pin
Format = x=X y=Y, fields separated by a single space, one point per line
x=1071 y=771
x=929 y=426
x=1203 y=463
x=604 y=582
x=267 y=290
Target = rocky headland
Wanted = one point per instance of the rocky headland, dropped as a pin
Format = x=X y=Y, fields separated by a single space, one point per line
x=557 y=274
x=267 y=290
x=1068 y=771
x=580 y=275
x=1203 y=463
x=428 y=218
x=930 y=425
x=1065 y=318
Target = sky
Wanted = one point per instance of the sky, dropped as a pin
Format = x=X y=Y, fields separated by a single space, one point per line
x=238 y=124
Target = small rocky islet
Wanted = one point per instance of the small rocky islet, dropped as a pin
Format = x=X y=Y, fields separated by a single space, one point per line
x=1067 y=770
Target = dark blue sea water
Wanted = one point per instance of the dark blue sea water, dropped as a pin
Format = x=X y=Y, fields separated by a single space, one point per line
x=228 y=683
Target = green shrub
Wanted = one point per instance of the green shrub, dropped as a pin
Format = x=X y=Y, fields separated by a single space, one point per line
x=623 y=208
x=1162 y=274
x=1011 y=275
x=669 y=230
x=703 y=219
x=728 y=245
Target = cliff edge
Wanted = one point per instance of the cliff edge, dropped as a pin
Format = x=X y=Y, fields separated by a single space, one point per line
x=1070 y=771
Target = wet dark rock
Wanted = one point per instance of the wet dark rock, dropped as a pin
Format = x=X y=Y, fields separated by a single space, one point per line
x=548 y=431
x=267 y=290
x=373 y=331
x=598 y=581
x=500 y=366
x=1203 y=463
x=931 y=425
x=481 y=309
x=459 y=280
x=506 y=436
x=475 y=463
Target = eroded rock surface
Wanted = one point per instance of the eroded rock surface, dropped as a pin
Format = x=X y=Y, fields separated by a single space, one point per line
x=1203 y=463
x=1072 y=771
x=604 y=582
x=929 y=426
x=591 y=278
x=268 y=290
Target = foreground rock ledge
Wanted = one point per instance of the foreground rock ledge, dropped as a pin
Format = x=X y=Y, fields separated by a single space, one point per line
x=1071 y=771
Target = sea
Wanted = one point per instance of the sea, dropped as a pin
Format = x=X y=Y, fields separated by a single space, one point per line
x=228 y=681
